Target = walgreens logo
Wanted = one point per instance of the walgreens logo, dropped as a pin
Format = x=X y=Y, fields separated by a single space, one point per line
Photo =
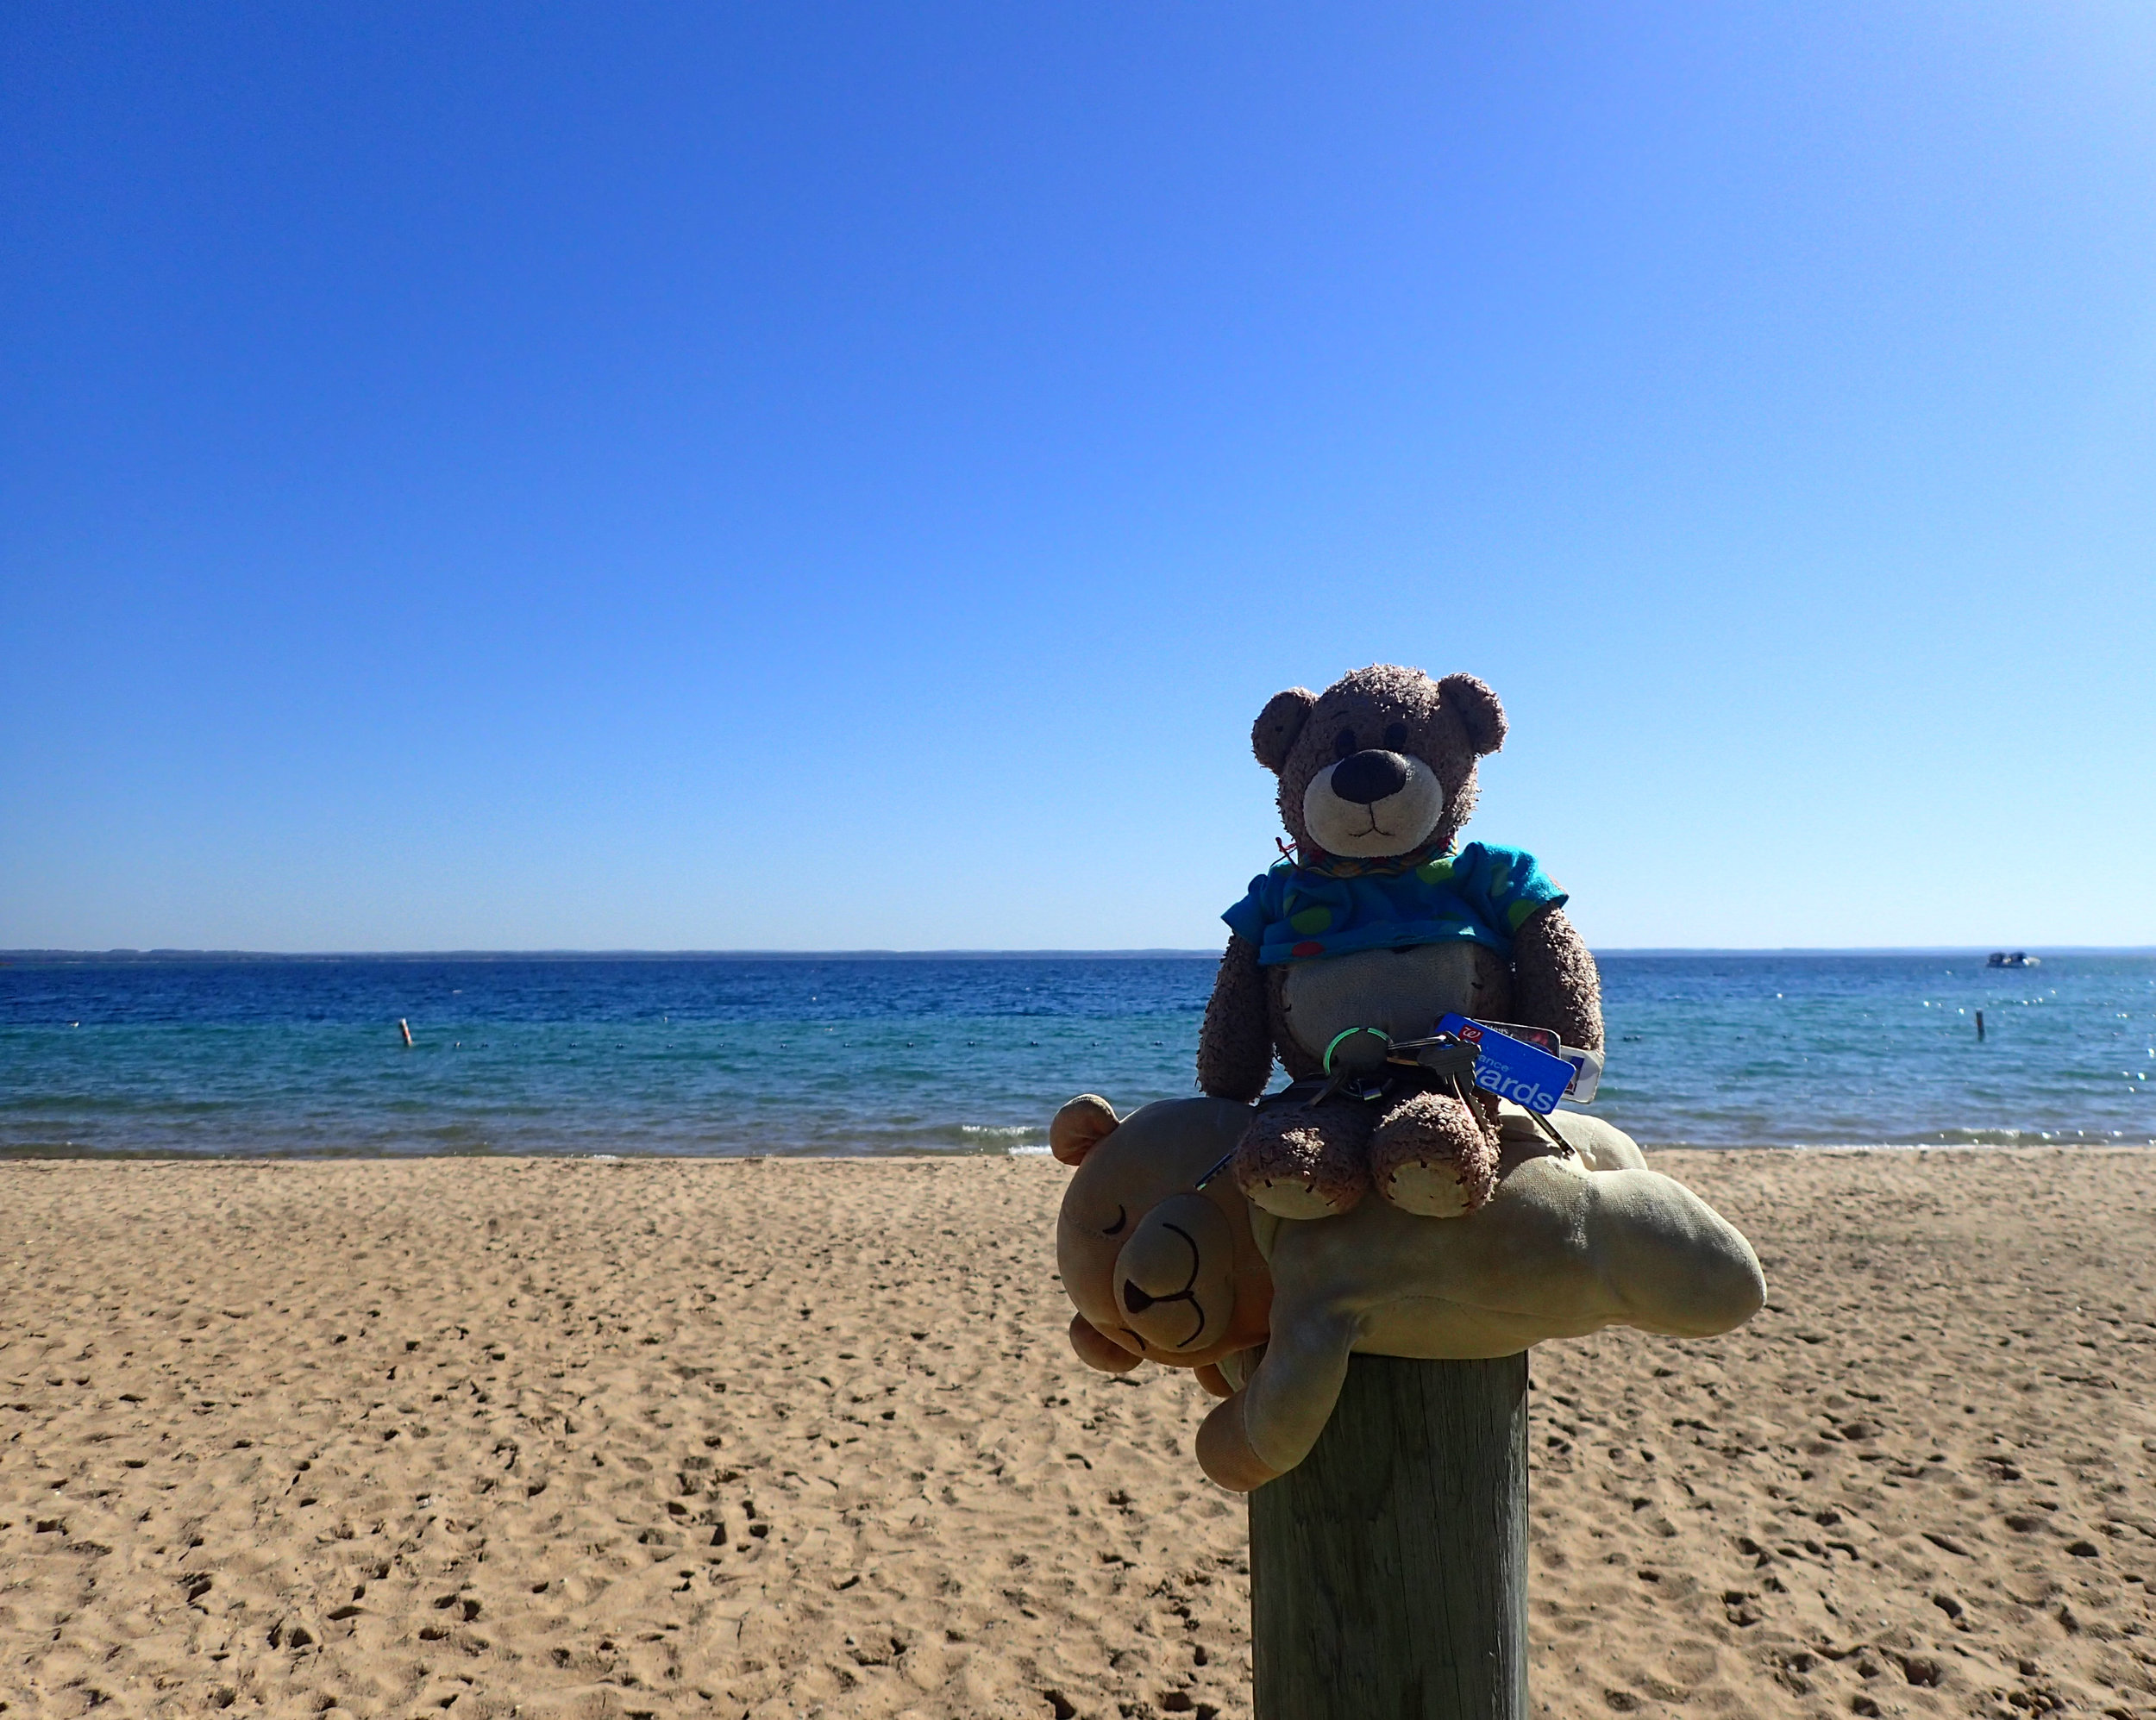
x=1511 y=1068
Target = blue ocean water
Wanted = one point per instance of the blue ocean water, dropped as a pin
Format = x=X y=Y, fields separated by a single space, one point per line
x=898 y=1054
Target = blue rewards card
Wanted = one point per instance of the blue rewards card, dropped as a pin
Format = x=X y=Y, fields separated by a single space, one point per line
x=1511 y=1068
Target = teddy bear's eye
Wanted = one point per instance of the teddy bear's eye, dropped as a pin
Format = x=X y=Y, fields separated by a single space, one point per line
x=1345 y=744
x=1396 y=736
x=1120 y=1217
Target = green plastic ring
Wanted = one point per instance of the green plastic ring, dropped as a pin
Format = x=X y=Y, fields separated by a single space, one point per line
x=1350 y=1033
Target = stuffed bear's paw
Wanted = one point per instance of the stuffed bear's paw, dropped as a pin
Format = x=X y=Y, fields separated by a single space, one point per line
x=1304 y=1162
x=1097 y=1350
x=1432 y=1156
x=1223 y=1449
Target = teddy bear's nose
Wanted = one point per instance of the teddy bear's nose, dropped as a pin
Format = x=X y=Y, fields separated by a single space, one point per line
x=1134 y=1298
x=1369 y=776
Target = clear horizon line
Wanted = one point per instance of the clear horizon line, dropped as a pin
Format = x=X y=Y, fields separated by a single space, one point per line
x=122 y=953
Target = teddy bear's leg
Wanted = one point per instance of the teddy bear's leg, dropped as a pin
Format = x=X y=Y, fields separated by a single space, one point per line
x=1433 y=1155
x=1305 y=1161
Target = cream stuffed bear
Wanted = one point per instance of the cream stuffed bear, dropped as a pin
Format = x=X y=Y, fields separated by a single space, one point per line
x=1268 y=1310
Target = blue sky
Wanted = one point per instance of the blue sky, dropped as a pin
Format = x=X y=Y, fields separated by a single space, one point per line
x=816 y=477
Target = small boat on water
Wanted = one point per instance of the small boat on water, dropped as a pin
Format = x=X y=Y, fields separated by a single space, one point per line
x=2017 y=959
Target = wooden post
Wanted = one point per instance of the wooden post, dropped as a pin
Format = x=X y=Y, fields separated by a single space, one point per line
x=1388 y=1570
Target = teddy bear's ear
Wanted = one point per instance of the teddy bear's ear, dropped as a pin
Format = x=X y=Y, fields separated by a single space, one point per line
x=1080 y=1127
x=1477 y=708
x=1273 y=735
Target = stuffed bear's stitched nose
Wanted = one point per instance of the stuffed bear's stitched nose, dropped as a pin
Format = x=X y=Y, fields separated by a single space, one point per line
x=1134 y=1298
x=1369 y=776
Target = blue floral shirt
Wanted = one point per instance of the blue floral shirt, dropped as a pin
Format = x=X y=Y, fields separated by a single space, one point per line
x=1479 y=892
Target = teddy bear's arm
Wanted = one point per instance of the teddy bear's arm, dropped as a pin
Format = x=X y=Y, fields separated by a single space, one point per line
x=1555 y=982
x=1268 y=1427
x=1235 y=1047
x=1672 y=1263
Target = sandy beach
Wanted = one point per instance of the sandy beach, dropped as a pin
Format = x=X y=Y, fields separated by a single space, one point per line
x=553 y=1437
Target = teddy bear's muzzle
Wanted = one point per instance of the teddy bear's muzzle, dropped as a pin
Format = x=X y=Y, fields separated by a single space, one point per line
x=1373 y=804
x=1174 y=1282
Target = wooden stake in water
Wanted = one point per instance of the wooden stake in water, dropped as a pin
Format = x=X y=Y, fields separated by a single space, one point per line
x=1388 y=1570
x=1980 y=1027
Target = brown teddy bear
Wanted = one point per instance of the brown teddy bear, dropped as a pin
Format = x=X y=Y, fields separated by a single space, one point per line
x=1266 y=1311
x=1379 y=920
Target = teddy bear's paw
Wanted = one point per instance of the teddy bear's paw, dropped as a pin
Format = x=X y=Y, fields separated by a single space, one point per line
x=1304 y=1164
x=1428 y=1190
x=1297 y=1198
x=1431 y=1157
x=1224 y=1452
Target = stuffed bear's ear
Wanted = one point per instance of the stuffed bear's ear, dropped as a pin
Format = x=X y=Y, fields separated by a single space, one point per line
x=1477 y=708
x=1080 y=1127
x=1273 y=735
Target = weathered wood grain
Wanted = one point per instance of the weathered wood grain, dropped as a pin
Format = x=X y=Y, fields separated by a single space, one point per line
x=1388 y=1572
